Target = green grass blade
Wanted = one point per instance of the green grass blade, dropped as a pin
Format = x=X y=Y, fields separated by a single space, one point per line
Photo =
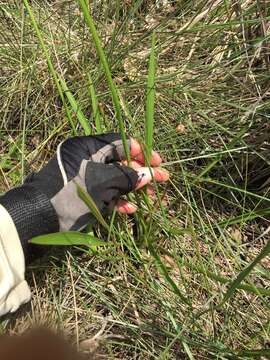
x=245 y=217
x=68 y=238
x=243 y=274
x=238 y=189
x=117 y=106
x=253 y=354
x=150 y=99
x=44 y=48
x=188 y=351
x=164 y=272
x=49 y=62
x=95 y=108
x=76 y=108
x=92 y=206
x=60 y=83
x=225 y=280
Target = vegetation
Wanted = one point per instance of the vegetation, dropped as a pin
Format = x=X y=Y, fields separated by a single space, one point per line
x=188 y=277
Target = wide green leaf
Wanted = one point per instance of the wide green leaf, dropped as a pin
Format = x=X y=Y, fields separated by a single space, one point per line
x=69 y=238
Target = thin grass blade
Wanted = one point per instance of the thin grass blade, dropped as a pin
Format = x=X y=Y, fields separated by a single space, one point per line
x=114 y=93
x=44 y=48
x=59 y=82
x=253 y=354
x=49 y=62
x=92 y=206
x=164 y=272
x=95 y=108
x=243 y=274
x=76 y=108
x=150 y=99
x=225 y=280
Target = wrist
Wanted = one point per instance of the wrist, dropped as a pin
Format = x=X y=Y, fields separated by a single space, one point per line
x=31 y=212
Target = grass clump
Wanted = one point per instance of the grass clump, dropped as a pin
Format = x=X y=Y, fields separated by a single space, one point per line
x=159 y=298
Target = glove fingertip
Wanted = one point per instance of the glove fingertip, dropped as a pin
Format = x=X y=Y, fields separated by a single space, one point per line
x=131 y=175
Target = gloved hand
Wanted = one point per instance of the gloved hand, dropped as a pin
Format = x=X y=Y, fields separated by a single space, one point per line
x=48 y=201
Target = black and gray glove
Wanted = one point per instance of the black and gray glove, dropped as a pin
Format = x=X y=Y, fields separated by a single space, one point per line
x=48 y=201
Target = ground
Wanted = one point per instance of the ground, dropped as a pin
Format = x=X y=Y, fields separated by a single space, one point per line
x=158 y=292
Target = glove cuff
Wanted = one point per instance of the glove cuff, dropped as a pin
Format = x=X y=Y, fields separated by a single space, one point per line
x=31 y=212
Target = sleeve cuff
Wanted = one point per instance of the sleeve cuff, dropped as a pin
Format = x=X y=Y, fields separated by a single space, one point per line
x=32 y=214
x=14 y=290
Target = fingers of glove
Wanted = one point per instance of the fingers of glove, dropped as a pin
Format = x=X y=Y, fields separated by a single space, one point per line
x=136 y=153
x=108 y=182
x=104 y=148
x=125 y=207
x=146 y=175
x=109 y=148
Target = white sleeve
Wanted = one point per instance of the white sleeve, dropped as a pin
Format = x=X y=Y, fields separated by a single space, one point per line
x=14 y=290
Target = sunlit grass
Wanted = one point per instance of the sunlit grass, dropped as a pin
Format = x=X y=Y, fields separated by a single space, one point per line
x=161 y=283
